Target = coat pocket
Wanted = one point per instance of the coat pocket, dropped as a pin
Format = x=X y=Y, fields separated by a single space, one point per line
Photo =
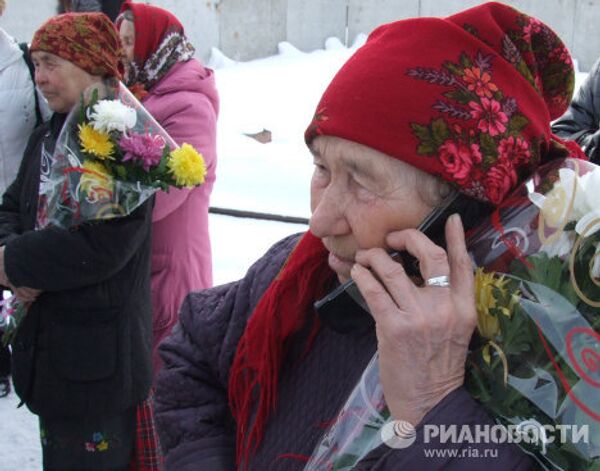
x=86 y=351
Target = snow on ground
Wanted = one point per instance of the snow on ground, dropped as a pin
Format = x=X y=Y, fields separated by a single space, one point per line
x=19 y=437
x=279 y=94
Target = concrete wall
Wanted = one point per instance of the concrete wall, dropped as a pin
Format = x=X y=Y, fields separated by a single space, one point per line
x=247 y=29
x=250 y=29
x=200 y=20
x=310 y=22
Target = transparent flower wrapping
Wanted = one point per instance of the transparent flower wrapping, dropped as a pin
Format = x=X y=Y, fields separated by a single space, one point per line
x=534 y=362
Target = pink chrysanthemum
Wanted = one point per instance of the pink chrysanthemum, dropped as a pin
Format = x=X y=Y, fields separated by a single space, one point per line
x=146 y=149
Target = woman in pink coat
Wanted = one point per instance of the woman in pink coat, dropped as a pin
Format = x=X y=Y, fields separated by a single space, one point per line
x=181 y=95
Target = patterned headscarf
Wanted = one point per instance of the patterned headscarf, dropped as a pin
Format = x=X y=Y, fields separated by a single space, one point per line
x=473 y=108
x=160 y=42
x=88 y=40
x=469 y=98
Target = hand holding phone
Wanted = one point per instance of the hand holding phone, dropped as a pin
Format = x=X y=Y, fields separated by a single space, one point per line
x=339 y=309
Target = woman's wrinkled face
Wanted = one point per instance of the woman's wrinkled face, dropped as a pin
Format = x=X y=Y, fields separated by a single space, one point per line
x=358 y=196
x=60 y=81
x=127 y=35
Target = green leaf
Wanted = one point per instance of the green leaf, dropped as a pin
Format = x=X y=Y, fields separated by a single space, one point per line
x=517 y=123
x=94 y=98
x=488 y=145
x=428 y=144
x=422 y=132
x=461 y=96
x=515 y=334
x=439 y=131
x=454 y=69
x=465 y=61
x=82 y=116
x=121 y=172
x=426 y=149
x=162 y=166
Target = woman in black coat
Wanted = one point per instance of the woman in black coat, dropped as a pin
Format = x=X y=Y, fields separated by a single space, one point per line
x=81 y=355
x=581 y=122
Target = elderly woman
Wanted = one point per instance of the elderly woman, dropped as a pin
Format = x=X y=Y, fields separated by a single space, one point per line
x=81 y=355
x=252 y=375
x=182 y=96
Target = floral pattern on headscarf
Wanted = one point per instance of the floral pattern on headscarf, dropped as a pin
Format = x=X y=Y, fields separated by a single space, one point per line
x=88 y=40
x=174 y=48
x=488 y=154
x=160 y=43
x=485 y=154
x=539 y=55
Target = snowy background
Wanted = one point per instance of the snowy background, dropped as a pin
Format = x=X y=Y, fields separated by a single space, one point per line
x=279 y=94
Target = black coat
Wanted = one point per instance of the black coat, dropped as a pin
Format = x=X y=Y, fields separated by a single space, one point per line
x=581 y=122
x=84 y=346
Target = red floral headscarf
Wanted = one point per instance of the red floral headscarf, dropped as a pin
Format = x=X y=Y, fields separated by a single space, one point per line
x=88 y=40
x=468 y=98
x=160 y=42
x=473 y=108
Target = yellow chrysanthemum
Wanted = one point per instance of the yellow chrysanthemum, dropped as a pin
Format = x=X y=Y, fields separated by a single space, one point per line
x=187 y=166
x=96 y=181
x=95 y=142
x=485 y=286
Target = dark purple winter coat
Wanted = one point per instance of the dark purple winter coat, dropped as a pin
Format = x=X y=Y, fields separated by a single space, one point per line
x=197 y=430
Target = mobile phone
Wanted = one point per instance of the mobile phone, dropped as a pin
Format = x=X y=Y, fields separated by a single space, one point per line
x=338 y=309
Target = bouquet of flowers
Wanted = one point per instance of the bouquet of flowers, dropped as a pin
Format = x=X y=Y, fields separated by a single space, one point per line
x=534 y=364
x=110 y=157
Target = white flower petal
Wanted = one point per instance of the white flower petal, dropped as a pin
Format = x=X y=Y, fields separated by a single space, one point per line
x=112 y=115
x=589 y=224
x=596 y=263
x=559 y=246
x=537 y=199
x=591 y=184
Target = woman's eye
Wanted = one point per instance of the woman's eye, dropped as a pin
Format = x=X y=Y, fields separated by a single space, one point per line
x=357 y=184
x=362 y=191
x=319 y=168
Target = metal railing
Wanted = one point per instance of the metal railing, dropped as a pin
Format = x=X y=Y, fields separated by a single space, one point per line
x=238 y=213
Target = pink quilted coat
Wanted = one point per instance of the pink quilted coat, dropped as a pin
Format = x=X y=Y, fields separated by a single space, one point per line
x=185 y=102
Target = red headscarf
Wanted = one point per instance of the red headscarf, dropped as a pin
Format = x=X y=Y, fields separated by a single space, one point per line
x=468 y=98
x=160 y=42
x=88 y=40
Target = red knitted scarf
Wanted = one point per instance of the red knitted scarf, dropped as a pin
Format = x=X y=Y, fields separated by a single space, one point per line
x=281 y=312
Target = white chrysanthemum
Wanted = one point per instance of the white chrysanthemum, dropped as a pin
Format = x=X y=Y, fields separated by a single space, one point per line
x=112 y=115
x=564 y=203
x=573 y=198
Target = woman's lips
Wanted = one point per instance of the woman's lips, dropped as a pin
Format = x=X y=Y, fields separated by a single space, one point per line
x=339 y=264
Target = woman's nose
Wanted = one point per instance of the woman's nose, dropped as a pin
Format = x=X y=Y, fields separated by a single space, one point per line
x=39 y=76
x=328 y=216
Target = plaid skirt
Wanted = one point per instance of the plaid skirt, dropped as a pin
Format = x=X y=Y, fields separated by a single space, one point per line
x=147 y=455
